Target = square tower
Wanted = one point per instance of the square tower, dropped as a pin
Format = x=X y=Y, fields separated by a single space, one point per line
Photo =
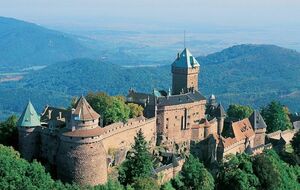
x=185 y=70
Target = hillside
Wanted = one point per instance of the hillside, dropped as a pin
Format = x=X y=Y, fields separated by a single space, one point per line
x=27 y=44
x=245 y=74
x=253 y=74
x=57 y=83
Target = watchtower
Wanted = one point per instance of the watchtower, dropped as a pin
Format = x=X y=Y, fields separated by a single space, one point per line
x=185 y=70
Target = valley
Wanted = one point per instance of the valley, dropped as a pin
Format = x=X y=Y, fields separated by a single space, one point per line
x=114 y=62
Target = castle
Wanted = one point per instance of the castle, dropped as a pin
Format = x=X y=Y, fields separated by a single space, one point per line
x=74 y=144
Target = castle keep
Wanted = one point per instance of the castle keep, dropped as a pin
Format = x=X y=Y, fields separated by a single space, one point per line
x=74 y=144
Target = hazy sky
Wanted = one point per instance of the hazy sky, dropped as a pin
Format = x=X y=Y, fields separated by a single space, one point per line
x=155 y=13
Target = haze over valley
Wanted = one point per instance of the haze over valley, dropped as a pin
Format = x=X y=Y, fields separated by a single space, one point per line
x=49 y=66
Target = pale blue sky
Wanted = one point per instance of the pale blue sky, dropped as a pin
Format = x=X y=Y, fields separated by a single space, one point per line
x=126 y=14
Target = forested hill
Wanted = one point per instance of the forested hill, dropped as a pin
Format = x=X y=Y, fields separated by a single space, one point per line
x=79 y=76
x=27 y=44
x=245 y=74
x=253 y=74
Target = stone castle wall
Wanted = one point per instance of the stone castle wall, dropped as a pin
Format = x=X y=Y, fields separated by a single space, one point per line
x=167 y=172
x=81 y=161
x=29 y=142
x=121 y=135
x=175 y=122
x=237 y=147
x=201 y=132
x=49 y=146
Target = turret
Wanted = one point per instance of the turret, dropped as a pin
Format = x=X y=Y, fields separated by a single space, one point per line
x=220 y=115
x=28 y=125
x=212 y=100
x=81 y=155
x=259 y=127
x=83 y=116
x=185 y=70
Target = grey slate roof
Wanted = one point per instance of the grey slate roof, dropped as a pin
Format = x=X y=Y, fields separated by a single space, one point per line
x=53 y=113
x=257 y=121
x=216 y=111
x=189 y=97
x=142 y=98
x=296 y=125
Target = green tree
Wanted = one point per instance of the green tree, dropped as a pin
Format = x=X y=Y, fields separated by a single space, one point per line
x=238 y=174
x=167 y=186
x=177 y=182
x=145 y=183
x=276 y=117
x=138 y=163
x=8 y=132
x=17 y=173
x=110 y=185
x=113 y=108
x=273 y=173
x=296 y=143
x=195 y=176
x=239 y=112
x=135 y=110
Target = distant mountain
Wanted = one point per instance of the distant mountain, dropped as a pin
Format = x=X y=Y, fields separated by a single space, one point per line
x=245 y=74
x=28 y=44
x=253 y=74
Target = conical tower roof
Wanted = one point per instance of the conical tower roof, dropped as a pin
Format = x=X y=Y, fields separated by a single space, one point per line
x=29 y=117
x=84 y=111
x=185 y=60
x=220 y=112
x=257 y=120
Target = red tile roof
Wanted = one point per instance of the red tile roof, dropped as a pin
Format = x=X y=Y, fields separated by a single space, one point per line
x=242 y=129
x=84 y=111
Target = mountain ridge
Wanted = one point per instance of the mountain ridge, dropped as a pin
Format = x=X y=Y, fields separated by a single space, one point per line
x=28 y=44
x=250 y=74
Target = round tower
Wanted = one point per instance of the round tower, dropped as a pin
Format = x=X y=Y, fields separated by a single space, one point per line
x=185 y=70
x=221 y=114
x=81 y=155
x=28 y=126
